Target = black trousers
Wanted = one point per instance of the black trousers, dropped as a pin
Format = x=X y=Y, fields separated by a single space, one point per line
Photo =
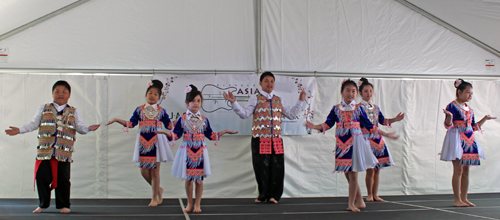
x=43 y=180
x=269 y=172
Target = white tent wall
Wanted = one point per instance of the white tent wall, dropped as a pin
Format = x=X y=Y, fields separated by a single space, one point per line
x=377 y=36
x=130 y=34
x=103 y=166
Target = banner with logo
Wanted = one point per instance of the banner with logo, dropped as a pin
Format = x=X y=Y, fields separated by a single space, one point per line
x=219 y=111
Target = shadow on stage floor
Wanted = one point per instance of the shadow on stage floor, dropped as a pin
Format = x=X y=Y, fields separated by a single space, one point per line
x=395 y=207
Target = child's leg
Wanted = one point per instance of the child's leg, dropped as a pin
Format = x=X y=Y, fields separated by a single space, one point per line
x=189 y=194
x=199 y=192
x=63 y=187
x=146 y=174
x=160 y=190
x=43 y=180
x=455 y=183
x=376 y=178
x=369 y=184
x=360 y=203
x=352 y=179
x=465 y=186
x=155 y=184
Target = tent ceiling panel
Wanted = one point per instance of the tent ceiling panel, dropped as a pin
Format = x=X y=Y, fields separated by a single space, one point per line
x=478 y=18
x=15 y=13
x=130 y=34
x=377 y=36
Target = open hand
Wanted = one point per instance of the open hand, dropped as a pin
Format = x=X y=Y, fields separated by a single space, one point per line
x=399 y=117
x=392 y=135
x=310 y=125
x=488 y=117
x=12 y=131
x=230 y=132
x=302 y=95
x=448 y=113
x=93 y=127
x=229 y=96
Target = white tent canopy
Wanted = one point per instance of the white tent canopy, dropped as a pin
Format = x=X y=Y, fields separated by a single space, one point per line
x=332 y=39
x=477 y=18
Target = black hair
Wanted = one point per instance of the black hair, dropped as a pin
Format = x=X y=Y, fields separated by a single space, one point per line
x=157 y=84
x=348 y=82
x=264 y=74
x=364 y=82
x=463 y=85
x=193 y=93
x=61 y=83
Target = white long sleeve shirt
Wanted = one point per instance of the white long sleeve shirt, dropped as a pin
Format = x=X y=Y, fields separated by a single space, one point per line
x=35 y=122
x=289 y=112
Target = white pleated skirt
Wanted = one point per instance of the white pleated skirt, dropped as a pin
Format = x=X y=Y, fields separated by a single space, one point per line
x=163 y=152
x=452 y=147
x=362 y=155
x=180 y=165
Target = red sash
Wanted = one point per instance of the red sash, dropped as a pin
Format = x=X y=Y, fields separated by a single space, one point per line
x=53 y=166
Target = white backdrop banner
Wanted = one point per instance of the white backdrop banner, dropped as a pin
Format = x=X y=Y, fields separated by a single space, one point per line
x=219 y=111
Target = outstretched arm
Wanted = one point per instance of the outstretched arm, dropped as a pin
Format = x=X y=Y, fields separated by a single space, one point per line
x=240 y=111
x=121 y=121
x=313 y=126
x=12 y=131
x=391 y=135
x=292 y=111
x=227 y=131
x=398 y=117
x=484 y=119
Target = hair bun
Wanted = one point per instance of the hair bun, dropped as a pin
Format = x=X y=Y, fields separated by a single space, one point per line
x=193 y=88
x=157 y=84
x=458 y=82
x=364 y=80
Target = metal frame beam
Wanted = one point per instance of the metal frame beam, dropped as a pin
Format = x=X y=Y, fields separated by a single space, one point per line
x=450 y=27
x=42 y=19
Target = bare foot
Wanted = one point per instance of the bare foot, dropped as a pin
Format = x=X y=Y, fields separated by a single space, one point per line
x=153 y=203
x=188 y=208
x=460 y=204
x=469 y=203
x=378 y=199
x=369 y=199
x=354 y=209
x=272 y=200
x=65 y=210
x=360 y=204
x=160 y=196
x=257 y=201
x=197 y=209
x=38 y=210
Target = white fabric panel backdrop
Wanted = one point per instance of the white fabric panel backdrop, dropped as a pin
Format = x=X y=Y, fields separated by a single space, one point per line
x=103 y=166
x=377 y=36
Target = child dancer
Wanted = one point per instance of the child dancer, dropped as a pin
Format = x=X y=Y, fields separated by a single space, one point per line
x=268 y=154
x=57 y=124
x=460 y=145
x=353 y=153
x=377 y=143
x=151 y=148
x=191 y=161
